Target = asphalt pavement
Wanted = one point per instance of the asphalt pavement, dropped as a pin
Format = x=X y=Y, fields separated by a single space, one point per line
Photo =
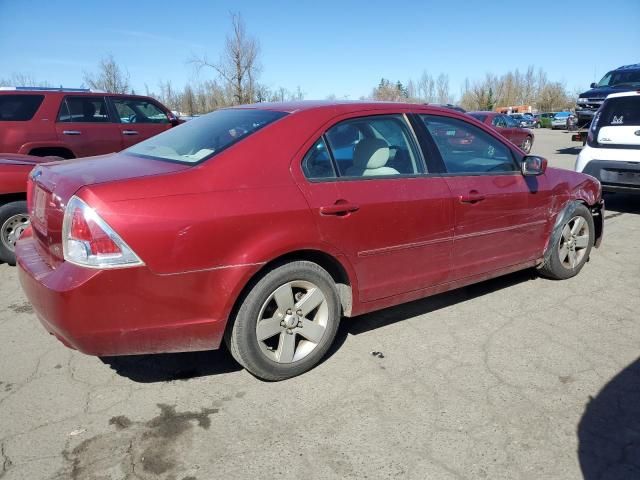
x=514 y=378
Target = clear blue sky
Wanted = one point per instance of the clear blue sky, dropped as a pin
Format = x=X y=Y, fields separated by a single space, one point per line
x=326 y=47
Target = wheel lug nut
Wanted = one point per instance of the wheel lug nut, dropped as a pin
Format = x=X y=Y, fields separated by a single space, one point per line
x=299 y=313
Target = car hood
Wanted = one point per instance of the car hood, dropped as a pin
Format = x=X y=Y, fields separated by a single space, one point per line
x=16 y=159
x=71 y=175
x=602 y=92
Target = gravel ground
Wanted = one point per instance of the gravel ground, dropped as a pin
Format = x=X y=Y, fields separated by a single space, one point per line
x=514 y=378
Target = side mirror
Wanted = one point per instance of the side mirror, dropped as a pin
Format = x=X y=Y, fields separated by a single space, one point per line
x=174 y=121
x=593 y=85
x=533 y=165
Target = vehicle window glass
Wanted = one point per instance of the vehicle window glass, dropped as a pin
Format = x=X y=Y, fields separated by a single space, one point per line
x=373 y=147
x=466 y=149
x=510 y=121
x=132 y=110
x=621 y=77
x=317 y=162
x=205 y=136
x=19 y=108
x=499 y=121
x=620 y=111
x=84 y=109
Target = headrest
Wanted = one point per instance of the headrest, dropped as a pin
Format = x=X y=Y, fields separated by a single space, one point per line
x=371 y=153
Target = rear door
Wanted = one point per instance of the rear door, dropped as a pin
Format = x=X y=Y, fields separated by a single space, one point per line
x=366 y=184
x=138 y=119
x=86 y=127
x=500 y=216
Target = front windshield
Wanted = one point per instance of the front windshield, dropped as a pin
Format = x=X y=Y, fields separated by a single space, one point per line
x=620 y=77
x=203 y=137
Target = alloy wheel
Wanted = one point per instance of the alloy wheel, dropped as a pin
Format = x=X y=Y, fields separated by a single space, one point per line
x=292 y=321
x=573 y=242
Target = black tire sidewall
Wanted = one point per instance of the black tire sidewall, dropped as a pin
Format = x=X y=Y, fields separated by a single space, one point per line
x=6 y=211
x=244 y=343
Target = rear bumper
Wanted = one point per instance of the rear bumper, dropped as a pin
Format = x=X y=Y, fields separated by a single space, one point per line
x=126 y=311
x=615 y=175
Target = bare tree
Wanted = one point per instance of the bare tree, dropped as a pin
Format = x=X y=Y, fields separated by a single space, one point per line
x=22 y=80
x=110 y=77
x=442 y=88
x=238 y=65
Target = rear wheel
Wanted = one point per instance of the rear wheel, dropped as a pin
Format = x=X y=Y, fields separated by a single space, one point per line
x=13 y=221
x=572 y=242
x=287 y=322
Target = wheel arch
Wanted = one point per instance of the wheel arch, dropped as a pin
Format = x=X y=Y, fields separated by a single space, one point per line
x=343 y=278
x=12 y=197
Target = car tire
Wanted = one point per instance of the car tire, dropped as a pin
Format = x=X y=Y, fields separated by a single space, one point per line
x=570 y=244
x=13 y=221
x=527 y=143
x=268 y=336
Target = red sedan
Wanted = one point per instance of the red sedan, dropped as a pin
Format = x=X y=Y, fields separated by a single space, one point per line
x=508 y=127
x=264 y=224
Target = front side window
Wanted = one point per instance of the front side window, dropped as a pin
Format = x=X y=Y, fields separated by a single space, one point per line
x=205 y=136
x=83 y=109
x=466 y=149
x=19 y=108
x=373 y=147
x=131 y=110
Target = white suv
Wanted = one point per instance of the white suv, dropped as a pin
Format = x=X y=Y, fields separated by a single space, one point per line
x=612 y=152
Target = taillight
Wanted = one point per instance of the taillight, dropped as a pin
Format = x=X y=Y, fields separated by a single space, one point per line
x=88 y=241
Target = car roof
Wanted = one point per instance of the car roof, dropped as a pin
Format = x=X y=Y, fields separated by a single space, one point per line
x=342 y=106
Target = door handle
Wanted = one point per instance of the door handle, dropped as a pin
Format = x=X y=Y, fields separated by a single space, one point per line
x=72 y=132
x=129 y=132
x=472 y=197
x=340 y=208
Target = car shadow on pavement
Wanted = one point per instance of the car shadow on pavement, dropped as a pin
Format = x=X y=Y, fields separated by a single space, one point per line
x=164 y=367
x=405 y=311
x=621 y=203
x=609 y=431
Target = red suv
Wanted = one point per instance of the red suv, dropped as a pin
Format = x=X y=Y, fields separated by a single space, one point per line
x=70 y=123
x=263 y=225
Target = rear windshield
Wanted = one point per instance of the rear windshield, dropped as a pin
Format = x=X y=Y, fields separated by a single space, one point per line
x=203 y=137
x=19 y=108
x=620 y=111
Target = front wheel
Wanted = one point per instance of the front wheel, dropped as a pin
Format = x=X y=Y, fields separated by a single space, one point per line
x=287 y=322
x=527 y=144
x=570 y=246
x=13 y=221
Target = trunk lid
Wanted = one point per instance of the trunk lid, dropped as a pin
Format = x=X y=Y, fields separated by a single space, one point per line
x=51 y=185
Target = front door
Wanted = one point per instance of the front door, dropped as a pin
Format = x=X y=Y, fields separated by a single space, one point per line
x=501 y=217
x=367 y=188
x=138 y=119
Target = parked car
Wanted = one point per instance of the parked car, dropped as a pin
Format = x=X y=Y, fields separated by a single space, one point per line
x=559 y=120
x=534 y=118
x=524 y=121
x=545 y=119
x=612 y=150
x=623 y=79
x=70 y=123
x=14 y=218
x=264 y=224
x=507 y=126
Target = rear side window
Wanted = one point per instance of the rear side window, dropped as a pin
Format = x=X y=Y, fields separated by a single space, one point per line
x=203 y=137
x=317 y=162
x=466 y=149
x=620 y=111
x=83 y=109
x=373 y=147
x=132 y=110
x=19 y=108
x=479 y=116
